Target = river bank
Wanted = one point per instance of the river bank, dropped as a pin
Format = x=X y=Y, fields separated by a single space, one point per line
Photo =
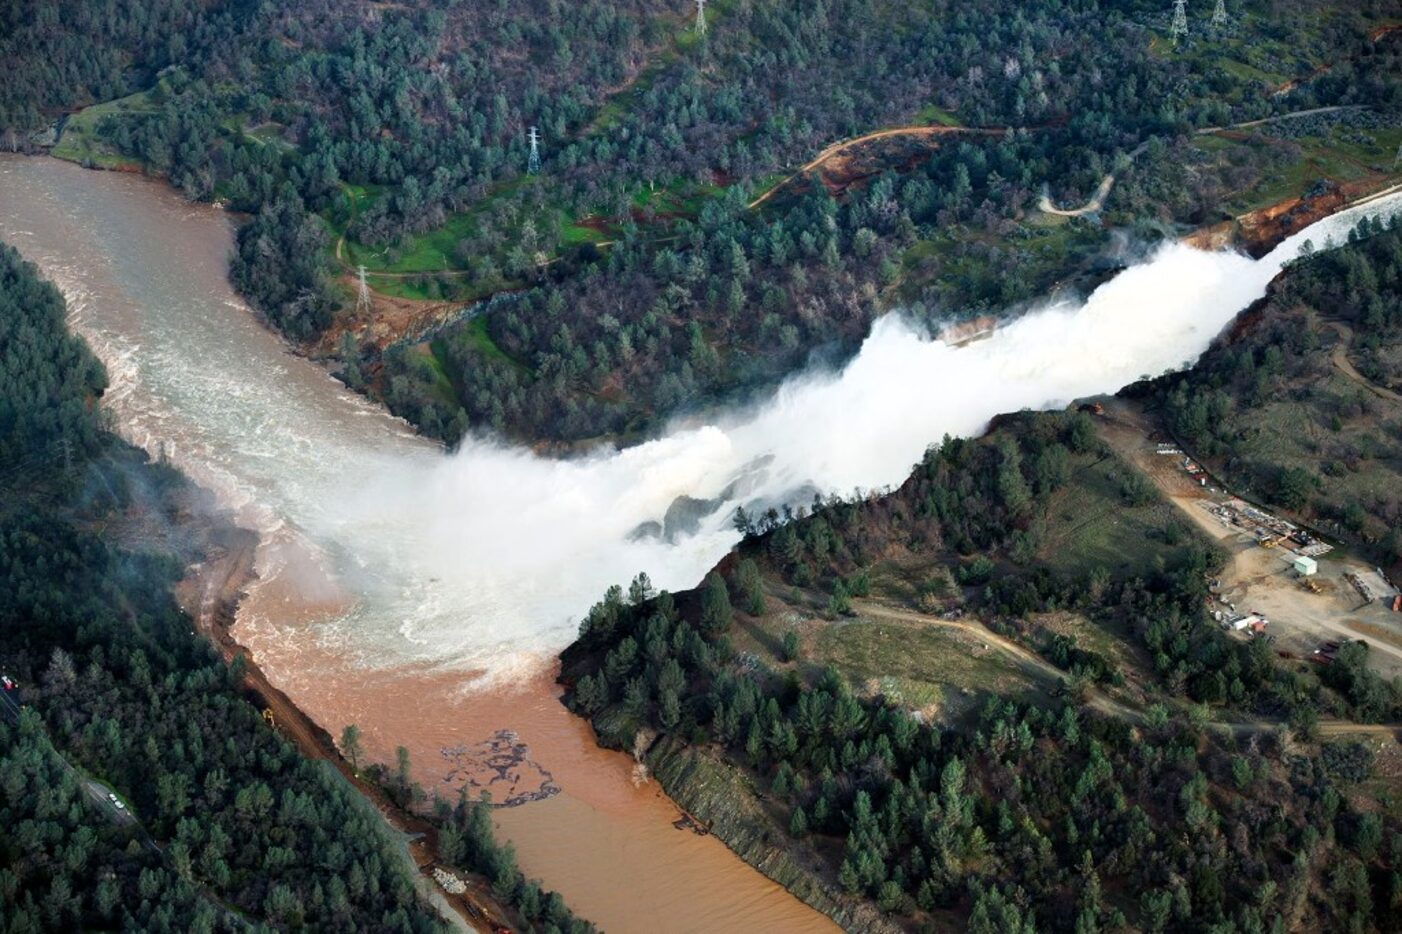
x=328 y=618
x=210 y=594
x=422 y=596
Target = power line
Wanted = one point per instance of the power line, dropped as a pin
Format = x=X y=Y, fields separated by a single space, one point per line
x=701 y=17
x=362 y=301
x=1179 y=29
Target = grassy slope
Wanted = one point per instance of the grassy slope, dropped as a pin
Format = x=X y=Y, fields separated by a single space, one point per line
x=898 y=645
x=1267 y=61
x=79 y=143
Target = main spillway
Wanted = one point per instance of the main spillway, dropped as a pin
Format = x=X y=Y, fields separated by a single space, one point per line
x=395 y=578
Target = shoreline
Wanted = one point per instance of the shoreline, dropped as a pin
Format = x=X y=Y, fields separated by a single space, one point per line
x=210 y=594
x=213 y=599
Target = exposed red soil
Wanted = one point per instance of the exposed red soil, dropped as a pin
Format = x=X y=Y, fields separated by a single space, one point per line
x=1258 y=232
x=388 y=320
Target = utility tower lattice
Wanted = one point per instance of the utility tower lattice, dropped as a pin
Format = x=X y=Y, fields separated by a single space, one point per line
x=533 y=166
x=1179 y=29
x=1219 y=13
x=362 y=300
x=700 y=17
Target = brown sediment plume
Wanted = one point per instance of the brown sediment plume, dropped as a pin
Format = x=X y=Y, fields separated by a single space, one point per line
x=574 y=812
x=210 y=594
x=580 y=817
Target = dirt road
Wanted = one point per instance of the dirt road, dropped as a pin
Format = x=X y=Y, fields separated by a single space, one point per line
x=1339 y=358
x=1097 y=201
x=840 y=147
x=1261 y=579
x=1027 y=658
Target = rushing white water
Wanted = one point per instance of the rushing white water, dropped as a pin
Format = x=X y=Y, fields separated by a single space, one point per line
x=486 y=558
x=516 y=545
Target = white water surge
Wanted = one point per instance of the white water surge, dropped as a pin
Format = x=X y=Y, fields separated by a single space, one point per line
x=486 y=558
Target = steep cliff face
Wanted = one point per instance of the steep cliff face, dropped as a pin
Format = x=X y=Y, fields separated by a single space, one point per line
x=721 y=798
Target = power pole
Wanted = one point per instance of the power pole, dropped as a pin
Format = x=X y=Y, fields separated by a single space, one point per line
x=362 y=301
x=701 y=17
x=1219 y=14
x=533 y=166
x=1179 y=29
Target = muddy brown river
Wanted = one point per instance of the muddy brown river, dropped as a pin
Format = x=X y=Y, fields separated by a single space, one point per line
x=195 y=374
x=422 y=595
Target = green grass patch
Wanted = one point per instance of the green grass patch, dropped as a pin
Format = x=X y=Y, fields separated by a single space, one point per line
x=937 y=115
x=79 y=141
x=919 y=665
x=1091 y=523
x=476 y=337
x=441 y=388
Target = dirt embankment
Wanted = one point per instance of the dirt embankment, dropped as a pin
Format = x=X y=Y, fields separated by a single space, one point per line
x=717 y=796
x=1259 y=232
x=839 y=167
x=210 y=594
x=387 y=320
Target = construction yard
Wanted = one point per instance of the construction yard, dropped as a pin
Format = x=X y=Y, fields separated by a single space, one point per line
x=1260 y=588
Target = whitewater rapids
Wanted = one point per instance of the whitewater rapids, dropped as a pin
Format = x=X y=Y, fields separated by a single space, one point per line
x=485 y=559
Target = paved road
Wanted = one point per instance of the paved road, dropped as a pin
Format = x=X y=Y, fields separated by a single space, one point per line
x=1280 y=118
x=1097 y=201
x=96 y=792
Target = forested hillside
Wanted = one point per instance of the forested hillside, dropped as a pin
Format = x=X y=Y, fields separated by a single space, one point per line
x=1301 y=403
x=633 y=278
x=116 y=684
x=994 y=700
x=222 y=822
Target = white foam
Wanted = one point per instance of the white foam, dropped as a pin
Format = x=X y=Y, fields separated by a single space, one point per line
x=487 y=558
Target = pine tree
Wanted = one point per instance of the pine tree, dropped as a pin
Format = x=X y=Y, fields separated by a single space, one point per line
x=716 y=612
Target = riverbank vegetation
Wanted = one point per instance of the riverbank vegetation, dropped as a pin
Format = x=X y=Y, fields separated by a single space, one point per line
x=222 y=821
x=994 y=700
x=222 y=824
x=634 y=279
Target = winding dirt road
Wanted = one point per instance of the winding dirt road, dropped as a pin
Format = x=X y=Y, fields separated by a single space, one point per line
x=1097 y=201
x=843 y=145
x=1093 y=206
x=1339 y=358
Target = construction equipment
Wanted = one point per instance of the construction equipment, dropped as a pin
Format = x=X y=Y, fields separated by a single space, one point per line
x=1269 y=542
x=268 y=718
x=1311 y=585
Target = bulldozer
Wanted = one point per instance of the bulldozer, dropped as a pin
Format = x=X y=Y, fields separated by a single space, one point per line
x=1270 y=542
x=1311 y=585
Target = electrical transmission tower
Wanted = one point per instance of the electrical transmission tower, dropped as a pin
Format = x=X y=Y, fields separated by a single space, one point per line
x=700 y=17
x=533 y=166
x=1179 y=30
x=1219 y=13
x=362 y=300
